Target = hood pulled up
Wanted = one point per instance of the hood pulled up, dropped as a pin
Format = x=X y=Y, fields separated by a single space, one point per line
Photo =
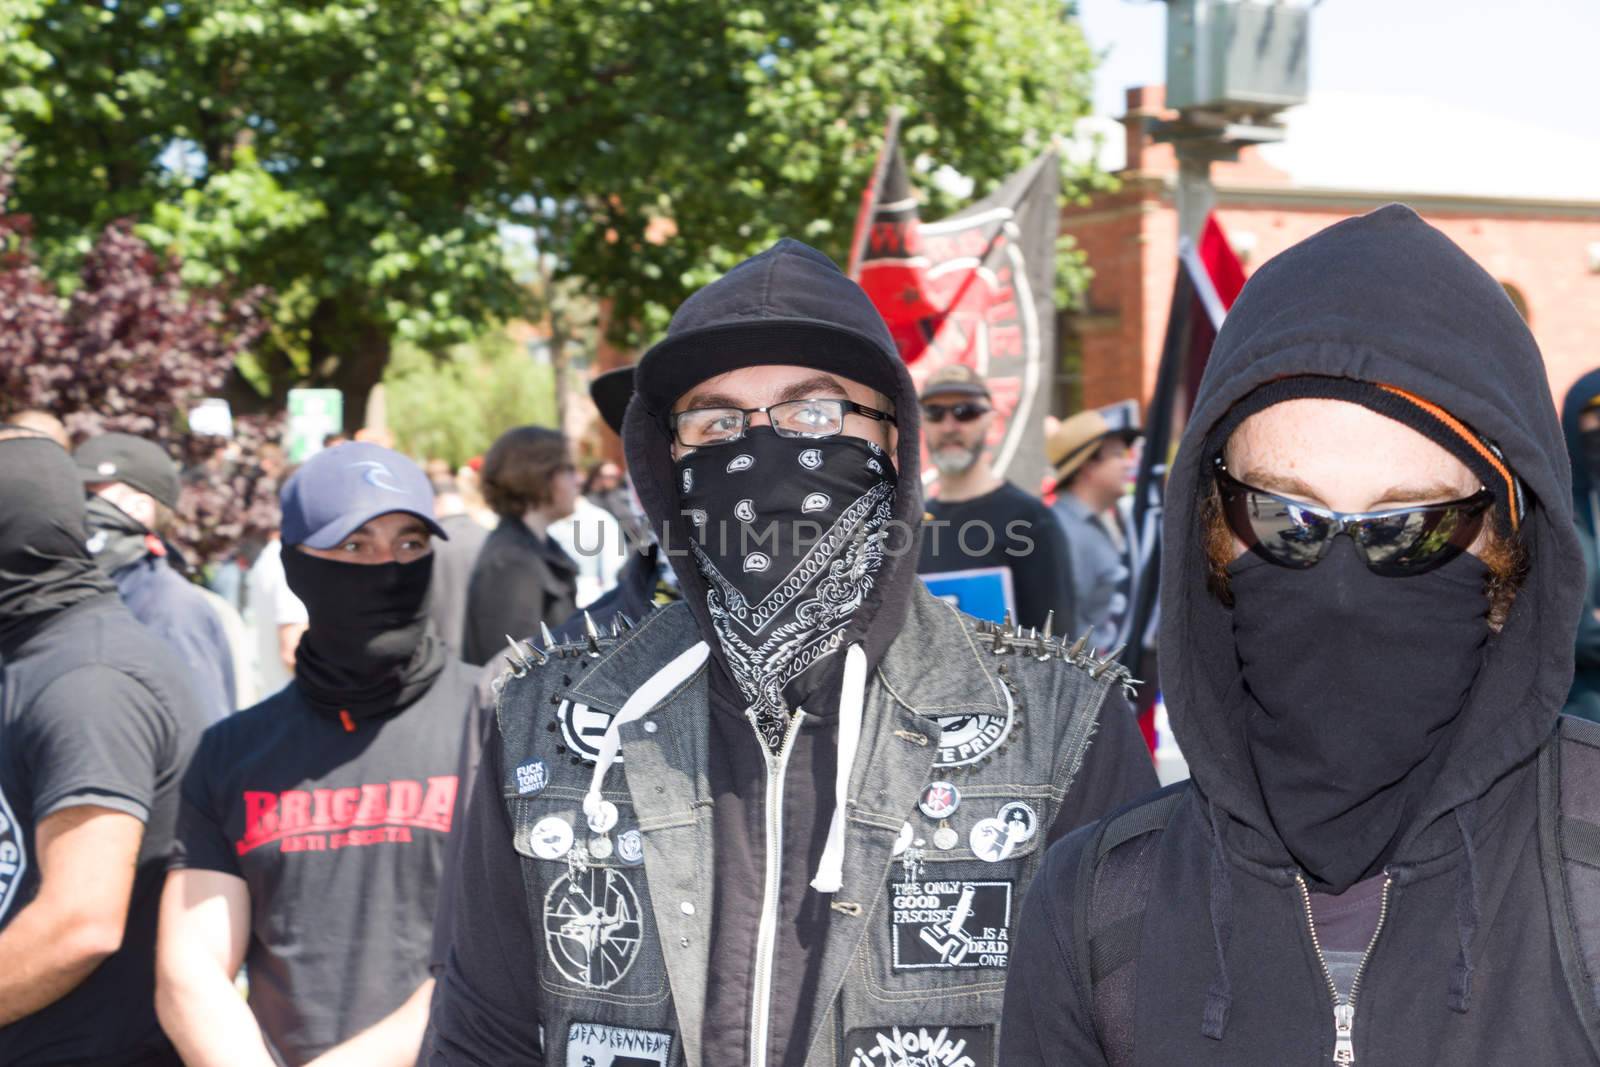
x=1384 y=298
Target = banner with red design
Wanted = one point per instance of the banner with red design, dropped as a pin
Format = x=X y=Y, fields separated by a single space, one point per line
x=975 y=288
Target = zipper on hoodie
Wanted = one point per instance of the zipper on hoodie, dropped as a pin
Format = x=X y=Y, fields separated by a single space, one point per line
x=767 y=929
x=1344 y=1010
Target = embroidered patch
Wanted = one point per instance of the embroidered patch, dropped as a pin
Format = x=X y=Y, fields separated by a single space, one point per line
x=582 y=727
x=970 y=738
x=532 y=777
x=593 y=1045
x=919 y=1046
x=593 y=927
x=950 y=925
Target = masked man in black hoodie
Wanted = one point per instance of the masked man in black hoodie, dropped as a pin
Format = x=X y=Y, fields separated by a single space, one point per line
x=97 y=720
x=1388 y=852
x=314 y=825
x=787 y=820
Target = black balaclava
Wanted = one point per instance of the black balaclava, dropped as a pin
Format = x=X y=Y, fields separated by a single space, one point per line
x=368 y=649
x=790 y=542
x=44 y=564
x=116 y=539
x=1341 y=765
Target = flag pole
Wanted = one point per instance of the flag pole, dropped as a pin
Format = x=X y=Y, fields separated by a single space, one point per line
x=873 y=193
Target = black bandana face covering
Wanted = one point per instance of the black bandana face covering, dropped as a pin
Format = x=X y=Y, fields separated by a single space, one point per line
x=367 y=649
x=1351 y=682
x=789 y=537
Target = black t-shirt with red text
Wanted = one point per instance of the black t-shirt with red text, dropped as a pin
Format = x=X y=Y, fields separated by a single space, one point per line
x=340 y=835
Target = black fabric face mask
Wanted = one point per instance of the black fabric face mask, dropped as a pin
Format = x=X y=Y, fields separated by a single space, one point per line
x=368 y=648
x=789 y=538
x=1351 y=683
x=115 y=538
x=1590 y=440
x=44 y=564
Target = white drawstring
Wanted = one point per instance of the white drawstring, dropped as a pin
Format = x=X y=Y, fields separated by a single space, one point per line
x=656 y=689
x=852 y=697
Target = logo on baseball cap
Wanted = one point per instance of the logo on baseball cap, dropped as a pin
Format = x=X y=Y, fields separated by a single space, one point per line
x=340 y=489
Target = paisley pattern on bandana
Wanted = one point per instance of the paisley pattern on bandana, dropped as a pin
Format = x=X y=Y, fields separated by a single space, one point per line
x=816 y=602
x=773 y=626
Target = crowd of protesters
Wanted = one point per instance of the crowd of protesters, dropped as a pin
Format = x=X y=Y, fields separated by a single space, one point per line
x=505 y=764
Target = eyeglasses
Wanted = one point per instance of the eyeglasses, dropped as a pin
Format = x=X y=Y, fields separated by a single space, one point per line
x=965 y=411
x=699 y=427
x=1394 y=543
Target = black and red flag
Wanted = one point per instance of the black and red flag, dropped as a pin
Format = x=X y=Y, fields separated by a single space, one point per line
x=1209 y=279
x=975 y=288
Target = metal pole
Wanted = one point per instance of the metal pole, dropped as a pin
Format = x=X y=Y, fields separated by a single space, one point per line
x=1196 y=196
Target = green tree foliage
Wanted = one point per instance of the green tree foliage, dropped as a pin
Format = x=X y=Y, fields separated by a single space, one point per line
x=358 y=157
x=452 y=405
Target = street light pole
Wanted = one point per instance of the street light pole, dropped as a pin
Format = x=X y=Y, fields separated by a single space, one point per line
x=1232 y=67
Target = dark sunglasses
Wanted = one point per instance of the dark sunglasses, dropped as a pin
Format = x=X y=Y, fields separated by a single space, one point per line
x=1394 y=543
x=963 y=412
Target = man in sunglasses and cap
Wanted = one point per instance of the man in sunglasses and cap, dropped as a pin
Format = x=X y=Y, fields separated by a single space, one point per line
x=981 y=522
x=1370 y=583
x=788 y=819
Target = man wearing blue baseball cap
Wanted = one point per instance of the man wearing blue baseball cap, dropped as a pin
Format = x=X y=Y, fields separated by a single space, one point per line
x=313 y=827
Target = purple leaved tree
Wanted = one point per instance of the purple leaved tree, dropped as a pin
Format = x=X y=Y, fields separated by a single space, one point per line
x=132 y=349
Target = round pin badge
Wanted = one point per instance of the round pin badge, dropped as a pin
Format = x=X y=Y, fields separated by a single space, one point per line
x=604 y=819
x=630 y=847
x=600 y=847
x=532 y=777
x=903 y=840
x=940 y=800
x=945 y=838
x=551 y=838
x=989 y=840
x=1021 y=822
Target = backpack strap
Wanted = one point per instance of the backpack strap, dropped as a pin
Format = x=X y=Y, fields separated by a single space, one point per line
x=1115 y=878
x=1569 y=847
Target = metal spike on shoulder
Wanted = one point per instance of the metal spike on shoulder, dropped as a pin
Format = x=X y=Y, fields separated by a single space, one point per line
x=1003 y=639
x=545 y=636
x=519 y=662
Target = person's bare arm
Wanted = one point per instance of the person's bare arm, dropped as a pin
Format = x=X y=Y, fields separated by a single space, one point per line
x=289 y=634
x=205 y=927
x=393 y=1041
x=86 y=856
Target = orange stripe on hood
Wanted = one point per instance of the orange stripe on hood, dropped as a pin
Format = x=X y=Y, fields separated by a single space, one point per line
x=1461 y=430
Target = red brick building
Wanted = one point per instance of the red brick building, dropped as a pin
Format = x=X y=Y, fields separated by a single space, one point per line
x=1546 y=252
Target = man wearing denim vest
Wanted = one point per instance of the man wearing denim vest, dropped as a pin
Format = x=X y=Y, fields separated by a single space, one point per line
x=788 y=820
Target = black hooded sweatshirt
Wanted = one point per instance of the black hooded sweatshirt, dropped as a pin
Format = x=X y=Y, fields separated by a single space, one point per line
x=94 y=710
x=1465 y=966
x=1584 y=699
x=818 y=306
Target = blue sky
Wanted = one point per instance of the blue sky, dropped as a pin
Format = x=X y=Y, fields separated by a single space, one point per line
x=1445 y=96
x=1533 y=60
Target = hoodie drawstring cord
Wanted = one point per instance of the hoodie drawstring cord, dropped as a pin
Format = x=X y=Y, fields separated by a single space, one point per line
x=1467 y=912
x=1220 y=996
x=655 y=689
x=852 y=698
